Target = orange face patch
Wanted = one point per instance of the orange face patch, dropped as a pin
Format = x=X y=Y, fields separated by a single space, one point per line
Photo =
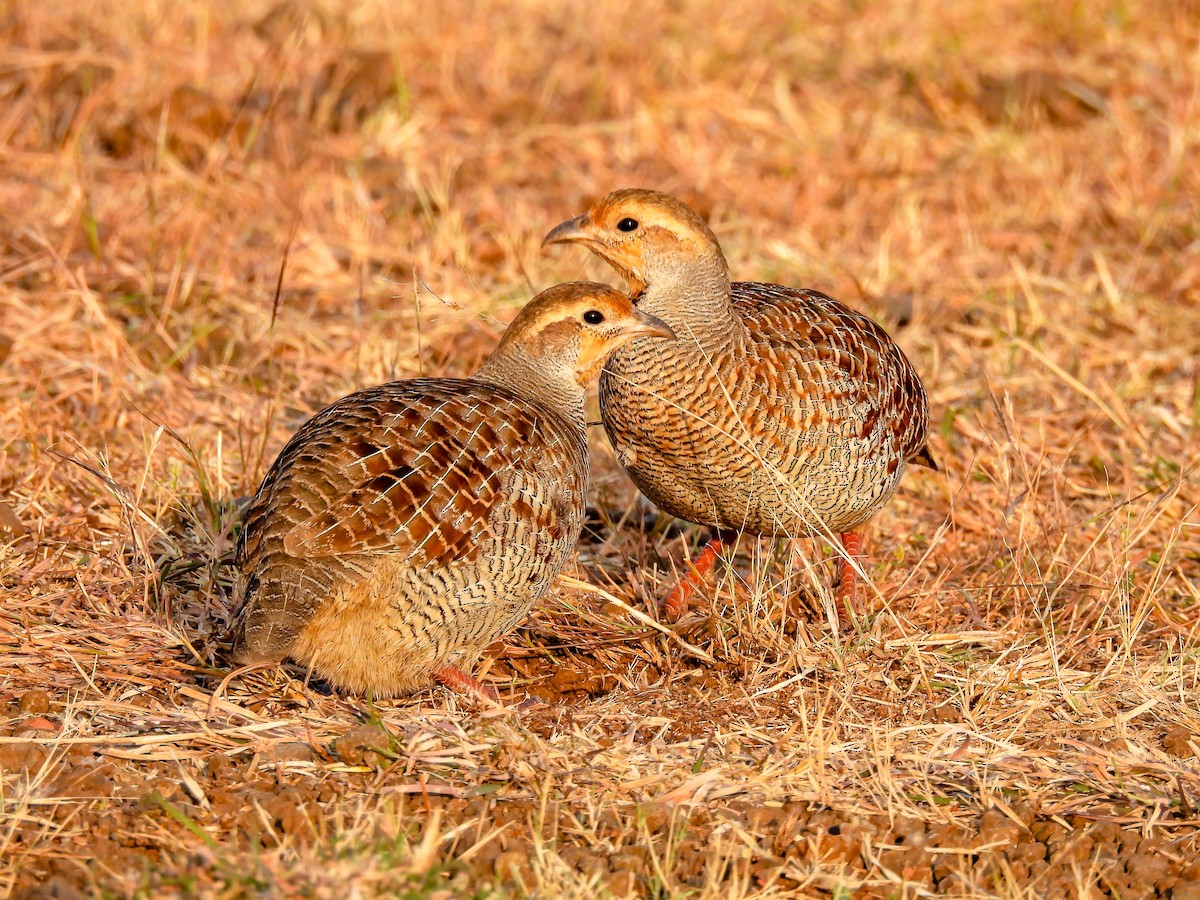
x=627 y=227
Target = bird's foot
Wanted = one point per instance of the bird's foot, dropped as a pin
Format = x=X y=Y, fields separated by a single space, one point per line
x=676 y=602
x=846 y=588
x=460 y=682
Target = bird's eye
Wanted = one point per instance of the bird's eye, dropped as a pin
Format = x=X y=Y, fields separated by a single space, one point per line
x=627 y=224
x=593 y=317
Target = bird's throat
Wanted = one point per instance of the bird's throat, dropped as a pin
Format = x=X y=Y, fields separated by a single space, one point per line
x=699 y=312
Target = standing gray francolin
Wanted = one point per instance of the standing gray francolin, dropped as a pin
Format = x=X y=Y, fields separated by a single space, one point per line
x=776 y=412
x=407 y=526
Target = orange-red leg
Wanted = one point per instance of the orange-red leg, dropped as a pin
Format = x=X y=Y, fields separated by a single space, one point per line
x=847 y=580
x=460 y=682
x=677 y=601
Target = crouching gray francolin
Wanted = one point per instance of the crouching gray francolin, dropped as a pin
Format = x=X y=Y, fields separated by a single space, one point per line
x=776 y=412
x=407 y=526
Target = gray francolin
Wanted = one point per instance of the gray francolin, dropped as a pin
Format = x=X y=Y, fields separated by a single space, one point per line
x=776 y=412
x=407 y=526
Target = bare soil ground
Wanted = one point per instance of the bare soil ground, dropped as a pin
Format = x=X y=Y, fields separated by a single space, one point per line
x=216 y=218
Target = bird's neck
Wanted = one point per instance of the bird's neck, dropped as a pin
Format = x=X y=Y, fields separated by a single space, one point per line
x=533 y=378
x=697 y=303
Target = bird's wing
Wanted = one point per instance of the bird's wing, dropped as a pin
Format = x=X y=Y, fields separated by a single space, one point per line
x=849 y=353
x=413 y=472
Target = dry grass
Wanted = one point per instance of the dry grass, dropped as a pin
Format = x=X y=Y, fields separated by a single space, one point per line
x=1010 y=186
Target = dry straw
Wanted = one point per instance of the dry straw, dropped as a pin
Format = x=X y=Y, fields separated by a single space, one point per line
x=1011 y=188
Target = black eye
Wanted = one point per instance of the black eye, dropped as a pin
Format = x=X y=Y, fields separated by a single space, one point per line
x=593 y=317
x=627 y=224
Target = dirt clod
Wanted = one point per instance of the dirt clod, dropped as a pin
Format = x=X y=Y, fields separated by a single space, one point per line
x=293 y=751
x=623 y=883
x=34 y=702
x=594 y=684
x=11 y=525
x=21 y=757
x=56 y=888
x=1179 y=741
x=513 y=866
x=366 y=745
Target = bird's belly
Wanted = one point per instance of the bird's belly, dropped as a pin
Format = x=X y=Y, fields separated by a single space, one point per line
x=760 y=471
x=387 y=634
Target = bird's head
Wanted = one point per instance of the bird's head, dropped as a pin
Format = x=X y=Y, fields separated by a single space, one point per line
x=649 y=237
x=576 y=326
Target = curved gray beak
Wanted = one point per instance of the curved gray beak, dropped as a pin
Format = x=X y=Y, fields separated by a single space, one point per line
x=651 y=326
x=568 y=232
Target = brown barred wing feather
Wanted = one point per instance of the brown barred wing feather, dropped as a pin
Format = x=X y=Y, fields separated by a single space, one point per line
x=423 y=484
x=841 y=359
